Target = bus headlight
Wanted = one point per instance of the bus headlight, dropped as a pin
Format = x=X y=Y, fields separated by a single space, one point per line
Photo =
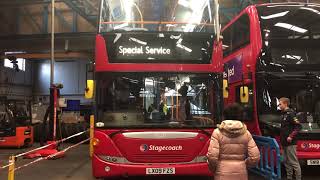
x=113 y=159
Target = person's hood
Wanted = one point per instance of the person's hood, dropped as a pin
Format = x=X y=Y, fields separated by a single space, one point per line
x=232 y=128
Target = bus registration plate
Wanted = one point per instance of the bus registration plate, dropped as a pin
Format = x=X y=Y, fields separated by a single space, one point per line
x=169 y=170
x=313 y=162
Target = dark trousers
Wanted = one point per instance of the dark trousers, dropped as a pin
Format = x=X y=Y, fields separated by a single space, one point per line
x=291 y=162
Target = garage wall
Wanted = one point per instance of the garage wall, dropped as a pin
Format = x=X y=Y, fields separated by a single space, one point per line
x=16 y=85
x=70 y=73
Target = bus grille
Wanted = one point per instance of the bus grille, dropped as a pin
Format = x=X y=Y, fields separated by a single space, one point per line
x=160 y=158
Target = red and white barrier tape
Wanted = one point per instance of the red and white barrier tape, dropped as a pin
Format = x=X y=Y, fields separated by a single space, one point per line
x=3 y=167
x=51 y=156
x=59 y=141
x=42 y=147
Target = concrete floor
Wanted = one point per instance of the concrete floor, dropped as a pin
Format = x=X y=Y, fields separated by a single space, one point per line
x=76 y=165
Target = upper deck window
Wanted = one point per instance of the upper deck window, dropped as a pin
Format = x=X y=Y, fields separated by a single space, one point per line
x=291 y=34
x=237 y=35
x=290 y=22
x=157 y=15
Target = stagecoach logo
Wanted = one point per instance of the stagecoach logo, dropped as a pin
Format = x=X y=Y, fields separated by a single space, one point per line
x=304 y=145
x=310 y=146
x=145 y=147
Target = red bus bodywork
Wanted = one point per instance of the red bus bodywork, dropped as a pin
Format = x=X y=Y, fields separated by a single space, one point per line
x=250 y=53
x=114 y=154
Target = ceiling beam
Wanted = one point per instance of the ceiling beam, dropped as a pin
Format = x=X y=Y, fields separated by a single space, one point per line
x=15 y=3
x=41 y=43
x=57 y=55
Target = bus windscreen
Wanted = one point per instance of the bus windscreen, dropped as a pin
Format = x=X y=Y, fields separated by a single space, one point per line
x=155 y=100
x=157 y=15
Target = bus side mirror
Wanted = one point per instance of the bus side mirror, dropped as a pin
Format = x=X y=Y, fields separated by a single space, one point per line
x=89 y=89
x=225 y=89
x=244 y=94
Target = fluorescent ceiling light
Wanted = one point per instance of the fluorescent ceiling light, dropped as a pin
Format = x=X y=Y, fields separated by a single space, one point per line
x=118 y=35
x=171 y=25
x=14 y=52
x=300 y=61
x=316 y=36
x=313 y=5
x=138 y=41
x=291 y=57
x=275 y=15
x=161 y=35
x=291 y=27
x=121 y=26
x=311 y=9
x=281 y=5
x=184 y=47
x=175 y=37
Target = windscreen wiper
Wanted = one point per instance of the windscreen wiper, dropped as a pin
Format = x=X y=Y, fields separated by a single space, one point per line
x=115 y=133
x=203 y=131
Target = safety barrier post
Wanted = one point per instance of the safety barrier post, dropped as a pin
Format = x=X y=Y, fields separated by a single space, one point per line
x=91 y=134
x=11 y=168
x=270 y=165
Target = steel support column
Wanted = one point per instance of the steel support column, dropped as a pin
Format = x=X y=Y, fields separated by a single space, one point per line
x=75 y=22
x=45 y=17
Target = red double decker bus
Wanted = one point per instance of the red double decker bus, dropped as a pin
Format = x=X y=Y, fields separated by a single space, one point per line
x=272 y=51
x=157 y=97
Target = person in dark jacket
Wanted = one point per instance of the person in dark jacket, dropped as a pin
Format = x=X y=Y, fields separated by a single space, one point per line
x=290 y=127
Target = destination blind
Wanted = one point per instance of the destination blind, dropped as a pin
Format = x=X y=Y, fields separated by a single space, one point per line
x=168 y=47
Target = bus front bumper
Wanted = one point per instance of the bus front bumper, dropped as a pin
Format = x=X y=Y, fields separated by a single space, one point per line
x=101 y=169
x=304 y=157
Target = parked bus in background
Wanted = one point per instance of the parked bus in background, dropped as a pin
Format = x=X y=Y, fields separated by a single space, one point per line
x=157 y=98
x=272 y=51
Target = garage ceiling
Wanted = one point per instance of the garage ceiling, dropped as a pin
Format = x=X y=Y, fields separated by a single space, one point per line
x=26 y=22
